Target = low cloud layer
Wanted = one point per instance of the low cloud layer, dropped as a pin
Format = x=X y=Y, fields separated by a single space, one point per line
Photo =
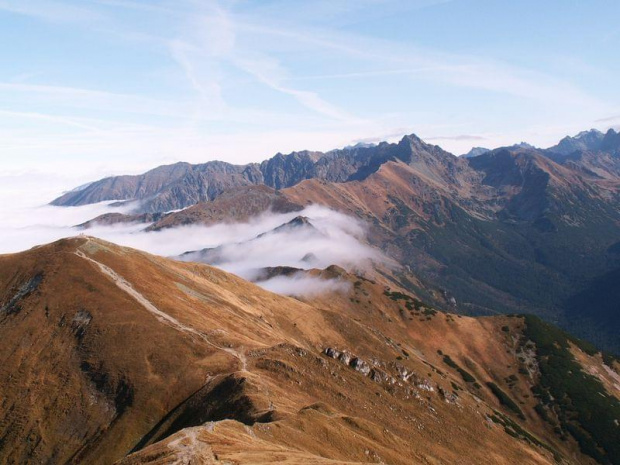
x=330 y=238
x=300 y=285
x=241 y=248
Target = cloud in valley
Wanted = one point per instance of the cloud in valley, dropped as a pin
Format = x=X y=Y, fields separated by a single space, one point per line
x=241 y=248
x=300 y=285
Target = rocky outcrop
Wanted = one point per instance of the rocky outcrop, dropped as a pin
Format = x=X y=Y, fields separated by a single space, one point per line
x=28 y=287
x=366 y=368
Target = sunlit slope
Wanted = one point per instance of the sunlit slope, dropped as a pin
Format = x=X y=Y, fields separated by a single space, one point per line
x=107 y=351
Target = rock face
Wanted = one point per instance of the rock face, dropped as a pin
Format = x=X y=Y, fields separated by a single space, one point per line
x=584 y=141
x=611 y=142
x=110 y=354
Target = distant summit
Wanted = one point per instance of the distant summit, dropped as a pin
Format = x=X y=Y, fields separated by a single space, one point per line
x=361 y=145
x=476 y=152
x=611 y=142
x=521 y=145
x=584 y=141
x=181 y=185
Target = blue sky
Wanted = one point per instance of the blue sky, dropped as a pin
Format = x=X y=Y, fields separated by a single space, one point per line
x=95 y=87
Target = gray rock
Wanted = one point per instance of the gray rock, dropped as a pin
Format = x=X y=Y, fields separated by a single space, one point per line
x=360 y=365
x=345 y=357
x=333 y=353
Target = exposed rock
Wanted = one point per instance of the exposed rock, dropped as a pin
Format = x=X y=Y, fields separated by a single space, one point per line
x=585 y=140
x=360 y=365
x=333 y=353
x=448 y=397
x=378 y=376
x=80 y=322
x=345 y=357
x=425 y=385
x=27 y=288
x=403 y=373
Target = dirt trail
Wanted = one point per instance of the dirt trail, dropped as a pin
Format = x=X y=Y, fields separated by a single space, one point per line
x=125 y=286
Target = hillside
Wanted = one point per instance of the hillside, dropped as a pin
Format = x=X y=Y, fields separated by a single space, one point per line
x=108 y=351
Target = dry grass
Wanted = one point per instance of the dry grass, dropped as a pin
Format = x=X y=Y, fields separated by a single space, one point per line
x=89 y=370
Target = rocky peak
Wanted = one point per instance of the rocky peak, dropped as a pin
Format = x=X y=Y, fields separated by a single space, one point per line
x=295 y=223
x=611 y=142
x=585 y=140
x=476 y=151
x=412 y=148
x=521 y=145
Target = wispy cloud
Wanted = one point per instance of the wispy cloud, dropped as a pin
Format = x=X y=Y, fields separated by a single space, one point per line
x=609 y=119
x=372 y=74
x=460 y=70
x=219 y=74
x=269 y=72
x=214 y=39
x=73 y=122
x=49 y=10
x=95 y=100
x=460 y=137
x=209 y=89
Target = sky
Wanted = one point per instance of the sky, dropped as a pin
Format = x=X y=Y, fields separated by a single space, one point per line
x=92 y=88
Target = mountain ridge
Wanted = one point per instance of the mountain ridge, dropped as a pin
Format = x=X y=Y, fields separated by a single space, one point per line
x=179 y=185
x=142 y=359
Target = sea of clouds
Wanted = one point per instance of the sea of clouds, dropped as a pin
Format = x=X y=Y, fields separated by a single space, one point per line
x=26 y=220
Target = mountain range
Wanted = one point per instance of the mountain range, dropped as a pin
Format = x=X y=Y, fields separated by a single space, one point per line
x=511 y=230
x=430 y=353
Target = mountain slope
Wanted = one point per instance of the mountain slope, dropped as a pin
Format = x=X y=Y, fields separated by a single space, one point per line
x=167 y=187
x=530 y=236
x=238 y=205
x=107 y=350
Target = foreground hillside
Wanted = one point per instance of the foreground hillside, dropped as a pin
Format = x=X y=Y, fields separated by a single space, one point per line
x=110 y=354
